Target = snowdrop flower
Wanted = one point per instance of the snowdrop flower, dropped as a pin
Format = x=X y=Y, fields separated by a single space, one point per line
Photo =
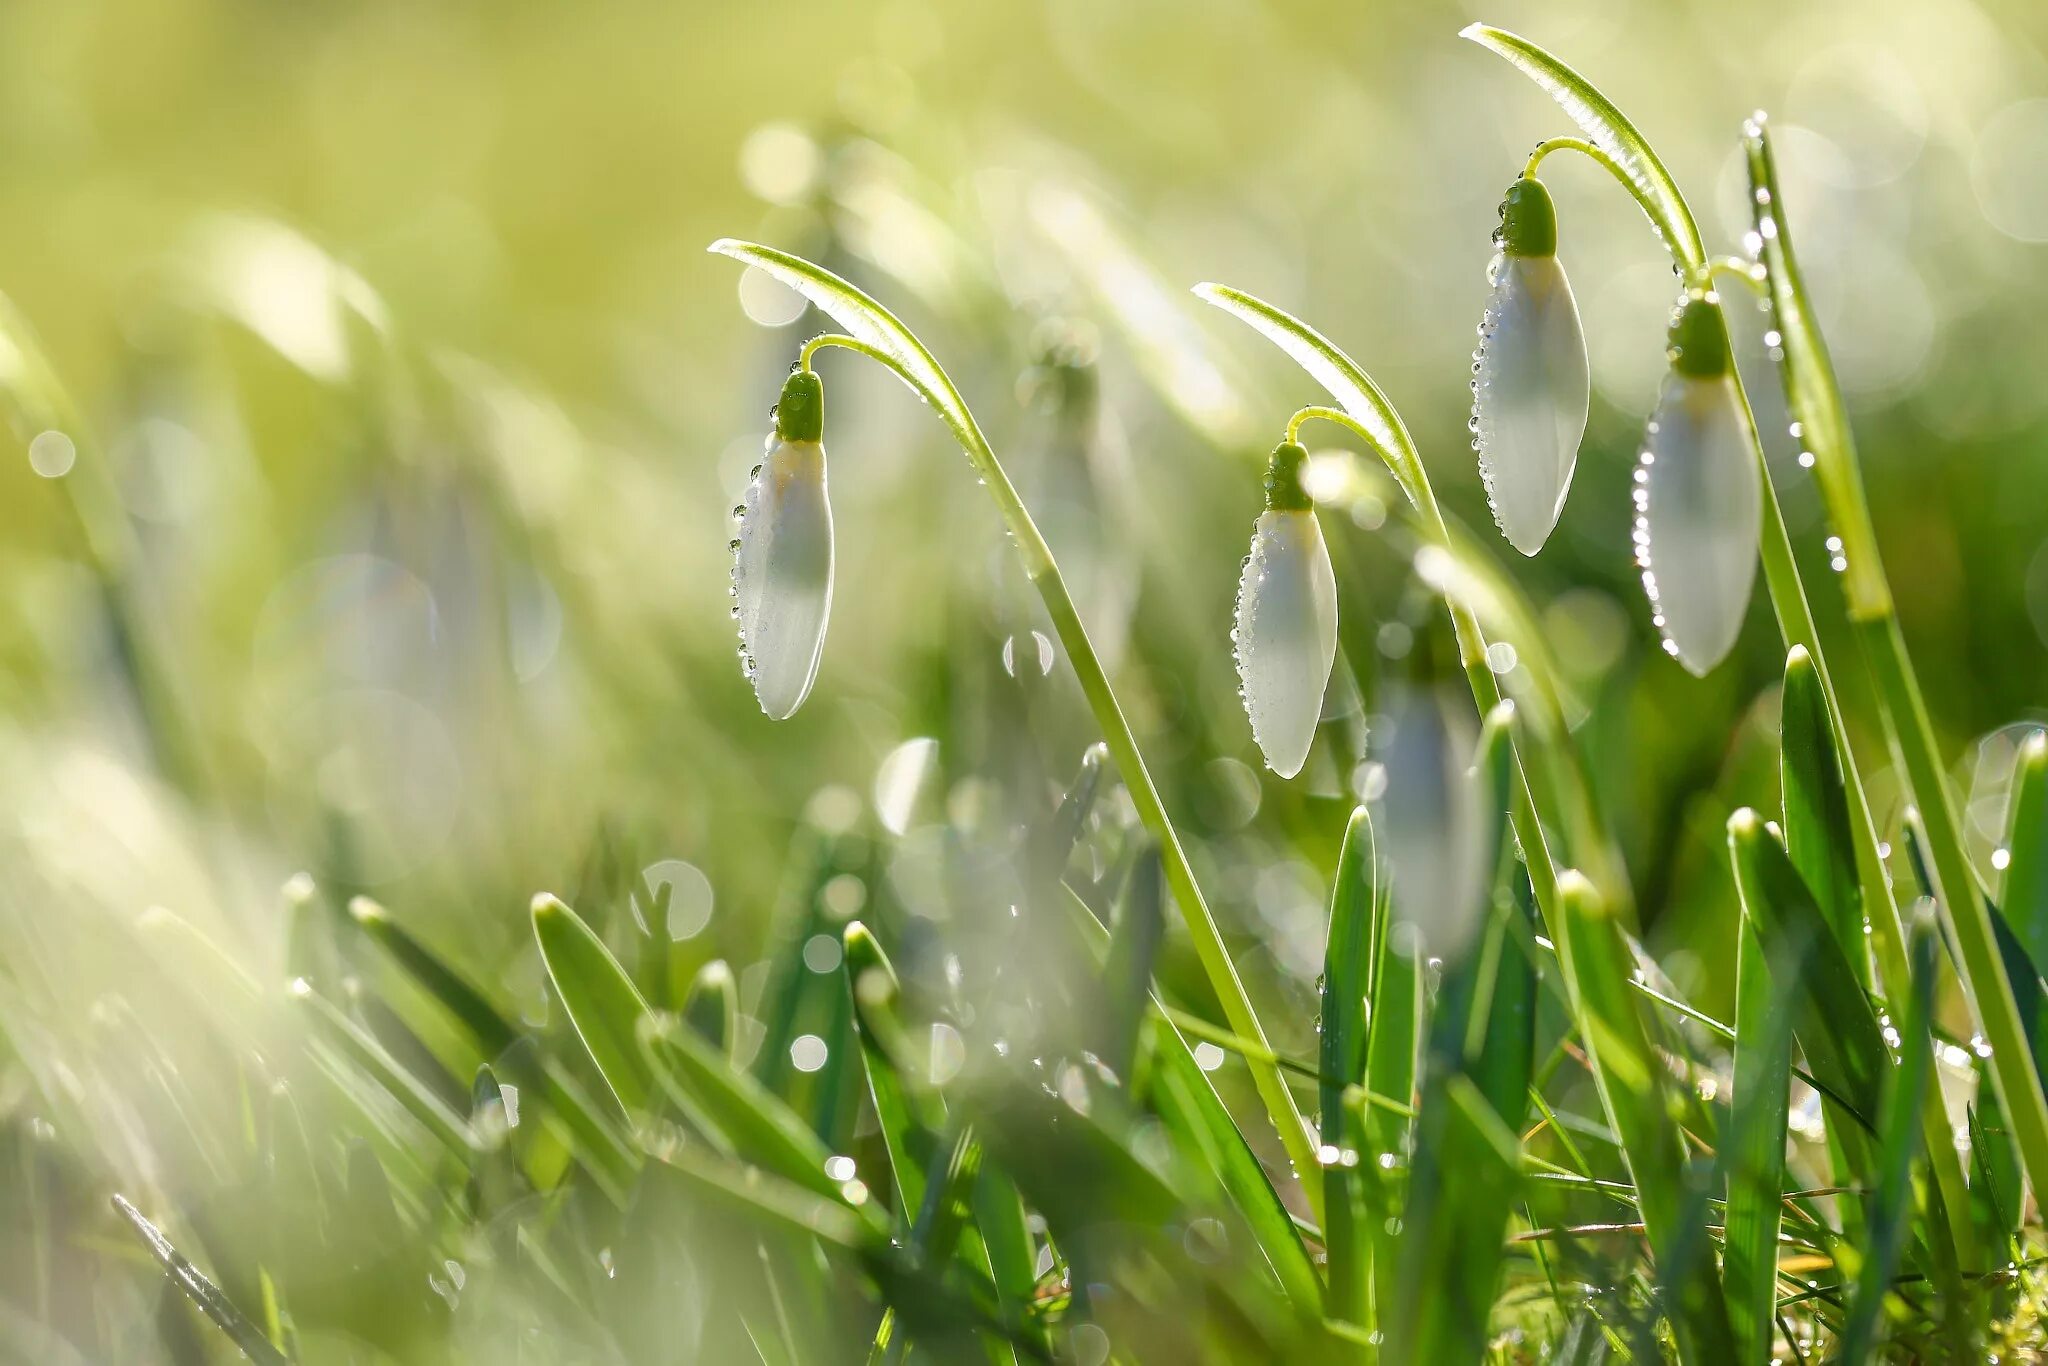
x=1699 y=504
x=1286 y=629
x=782 y=554
x=1530 y=382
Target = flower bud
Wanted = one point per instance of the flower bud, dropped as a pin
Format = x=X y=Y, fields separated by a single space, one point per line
x=1698 y=500
x=1530 y=381
x=782 y=554
x=1286 y=628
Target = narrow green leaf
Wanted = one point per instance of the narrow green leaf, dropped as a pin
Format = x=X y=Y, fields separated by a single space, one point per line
x=201 y=1291
x=1833 y=1020
x=712 y=1007
x=1892 y=1209
x=908 y=1117
x=599 y=998
x=421 y=1103
x=1817 y=833
x=2024 y=898
x=1609 y=130
x=1347 y=960
x=1464 y=1179
x=1393 y=1036
x=563 y=1098
x=1127 y=975
x=1455 y=1244
x=1755 y=1156
x=1634 y=1091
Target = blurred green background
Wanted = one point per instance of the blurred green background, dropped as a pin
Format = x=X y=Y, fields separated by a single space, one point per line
x=388 y=543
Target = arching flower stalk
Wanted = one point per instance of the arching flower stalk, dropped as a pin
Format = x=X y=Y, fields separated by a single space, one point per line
x=1530 y=380
x=1698 y=499
x=1285 y=636
x=782 y=554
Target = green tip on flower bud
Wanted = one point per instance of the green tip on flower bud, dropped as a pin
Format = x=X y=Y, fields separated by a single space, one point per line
x=1528 y=220
x=800 y=412
x=1284 y=489
x=1698 y=344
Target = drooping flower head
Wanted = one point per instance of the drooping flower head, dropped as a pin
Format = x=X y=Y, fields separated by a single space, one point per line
x=1698 y=498
x=1530 y=382
x=782 y=554
x=1286 y=627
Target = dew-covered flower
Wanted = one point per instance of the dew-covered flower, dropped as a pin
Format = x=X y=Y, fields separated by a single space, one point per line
x=782 y=554
x=1698 y=500
x=1286 y=628
x=1530 y=383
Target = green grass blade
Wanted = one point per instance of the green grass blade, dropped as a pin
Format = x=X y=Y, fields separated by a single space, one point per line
x=1833 y=1019
x=507 y=1047
x=1609 y=130
x=1201 y=1125
x=1755 y=1156
x=1393 y=1036
x=600 y=999
x=201 y=1291
x=2024 y=897
x=1127 y=975
x=1455 y=1245
x=1817 y=834
x=742 y=1115
x=909 y=1117
x=1892 y=1209
x=1635 y=1093
x=421 y=1103
x=712 y=1007
x=1347 y=961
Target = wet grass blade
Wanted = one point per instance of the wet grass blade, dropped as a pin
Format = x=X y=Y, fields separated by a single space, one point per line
x=600 y=999
x=1454 y=1248
x=1817 y=834
x=1347 y=962
x=1893 y=1208
x=1755 y=1156
x=909 y=1118
x=420 y=1102
x=1127 y=975
x=2024 y=897
x=1393 y=1035
x=1833 y=1020
x=564 y=1099
x=1634 y=1092
x=201 y=1291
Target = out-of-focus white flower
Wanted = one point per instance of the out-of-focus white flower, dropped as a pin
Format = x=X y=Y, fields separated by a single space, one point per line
x=1698 y=500
x=782 y=554
x=1530 y=382
x=1286 y=627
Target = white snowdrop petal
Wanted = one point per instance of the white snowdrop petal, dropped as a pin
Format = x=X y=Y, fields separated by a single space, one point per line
x=1286 y=635
x=1530 y=389
x=782 y=575
x=1697 y=535
x=1431 y=819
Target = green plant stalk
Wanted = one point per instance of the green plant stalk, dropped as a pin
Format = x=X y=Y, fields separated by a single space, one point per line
x=1044 y=573
x=1405 y=464
x=1657 y=195
x=1816 y=401
x=1984 y=979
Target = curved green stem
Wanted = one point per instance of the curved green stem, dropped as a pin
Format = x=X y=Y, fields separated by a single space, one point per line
x=1045 y=576
x=1407 y=470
